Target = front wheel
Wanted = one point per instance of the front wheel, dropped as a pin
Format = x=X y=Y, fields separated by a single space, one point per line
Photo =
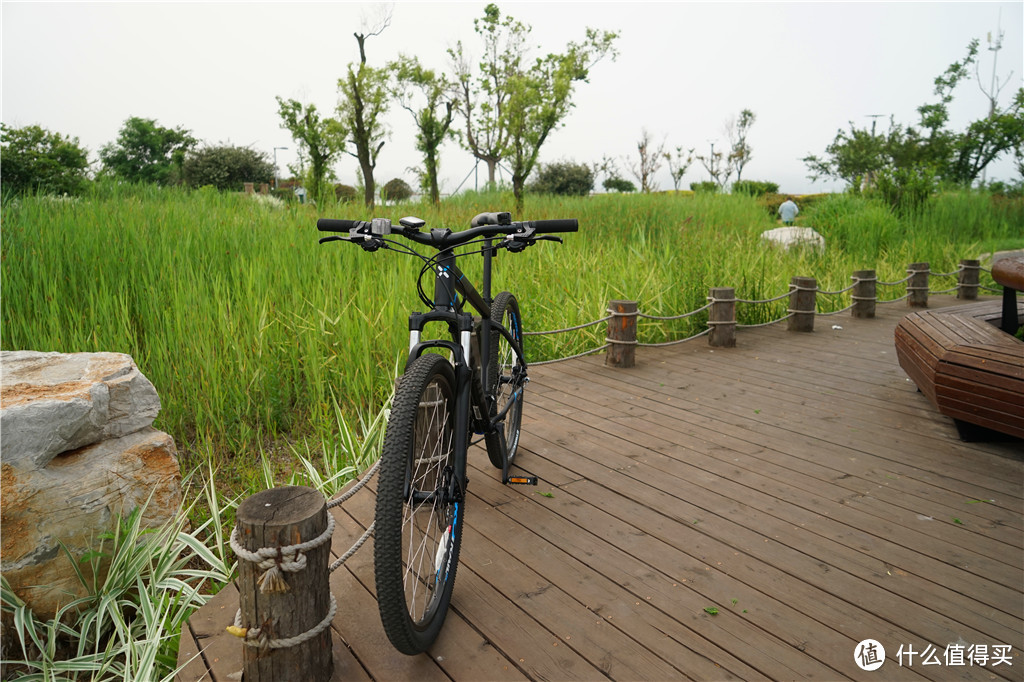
x=419 y=509
x=506 y=377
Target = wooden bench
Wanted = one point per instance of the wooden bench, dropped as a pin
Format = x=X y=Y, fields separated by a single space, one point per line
x=1009 y=272
x=969 y=368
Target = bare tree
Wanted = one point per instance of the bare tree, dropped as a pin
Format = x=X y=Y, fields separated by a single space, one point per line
x=678 y=164
x=651 y=158
x=739 y=150
x=717 y=166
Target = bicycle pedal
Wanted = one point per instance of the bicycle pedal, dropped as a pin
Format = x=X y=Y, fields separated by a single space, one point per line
x=521 y=480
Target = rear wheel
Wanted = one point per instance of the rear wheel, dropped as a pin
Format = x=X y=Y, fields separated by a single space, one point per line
x=506 y=373
x=418 y=515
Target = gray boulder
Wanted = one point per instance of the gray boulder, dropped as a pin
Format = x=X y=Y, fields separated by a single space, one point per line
x=54 y=402
x=77 y=452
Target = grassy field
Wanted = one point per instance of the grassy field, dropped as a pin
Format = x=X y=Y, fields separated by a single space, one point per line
x=256 y=337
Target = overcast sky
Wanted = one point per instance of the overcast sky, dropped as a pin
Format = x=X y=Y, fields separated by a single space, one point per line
x=804 y=68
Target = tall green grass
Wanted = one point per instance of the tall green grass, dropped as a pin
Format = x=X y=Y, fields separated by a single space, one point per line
x=254 y=335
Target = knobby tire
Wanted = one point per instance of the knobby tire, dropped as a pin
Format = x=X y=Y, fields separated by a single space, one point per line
x=417 y=537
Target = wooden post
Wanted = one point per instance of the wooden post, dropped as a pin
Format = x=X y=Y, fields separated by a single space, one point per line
x=802 y=303
x=264 y=188
x=275 y=518
x=722 y=317
x=621 y=334
x=968 y=281
x=864 y=294
x=917 y=285
x=248 y=187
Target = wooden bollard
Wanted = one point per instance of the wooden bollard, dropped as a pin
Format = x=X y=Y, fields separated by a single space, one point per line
x=968 y=279
x=917 y=285
x=802 y=302
x=621 y=334
x=864 y=294
x=282 y=517
x=722 y=317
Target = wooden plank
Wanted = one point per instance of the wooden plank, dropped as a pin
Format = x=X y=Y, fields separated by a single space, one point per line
x=713 y=402
x=222 y=652
x=939 y=551
x=883 y=469
x=616 y=587
x=815 y=541
x=191 y=664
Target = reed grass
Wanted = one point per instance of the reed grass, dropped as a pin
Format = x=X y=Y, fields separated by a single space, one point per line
x=254 y=335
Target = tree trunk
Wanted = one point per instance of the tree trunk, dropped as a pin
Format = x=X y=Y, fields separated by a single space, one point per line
x=492 y=167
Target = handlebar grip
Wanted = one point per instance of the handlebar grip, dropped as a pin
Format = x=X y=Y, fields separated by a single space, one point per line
x=337 y=225
x=561 y=225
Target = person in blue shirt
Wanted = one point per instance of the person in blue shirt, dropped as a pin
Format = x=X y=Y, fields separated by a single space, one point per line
x=788 y=211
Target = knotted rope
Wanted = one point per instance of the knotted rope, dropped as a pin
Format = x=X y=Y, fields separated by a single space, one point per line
x=275 y=561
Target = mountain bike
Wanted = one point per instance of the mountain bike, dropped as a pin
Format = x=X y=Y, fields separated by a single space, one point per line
x=469 y=382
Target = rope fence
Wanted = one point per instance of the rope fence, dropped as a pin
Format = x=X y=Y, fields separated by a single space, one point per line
x=621 y=339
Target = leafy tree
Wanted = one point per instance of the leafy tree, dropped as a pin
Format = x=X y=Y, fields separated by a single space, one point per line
x=37 y=160
x=364 y=95
x=650 y=161
x=226 y=167
x=147 y=152
x=850 y=157
x=931 y=150
x=564 y=178
x=320 y=141
x=395 y=190
x=433 y=126
x=482 y=99
x=614 y=183
x=510 y=108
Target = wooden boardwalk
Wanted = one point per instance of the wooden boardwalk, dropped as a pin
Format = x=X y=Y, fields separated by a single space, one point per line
x=797 y=483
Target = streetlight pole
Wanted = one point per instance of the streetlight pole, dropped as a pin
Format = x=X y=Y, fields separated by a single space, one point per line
x=275 y=165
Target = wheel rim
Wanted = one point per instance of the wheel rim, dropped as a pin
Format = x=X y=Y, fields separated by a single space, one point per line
x=428 y=517
x=506 y=389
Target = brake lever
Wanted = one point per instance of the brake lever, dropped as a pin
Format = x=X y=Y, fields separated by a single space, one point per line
x=334 y=238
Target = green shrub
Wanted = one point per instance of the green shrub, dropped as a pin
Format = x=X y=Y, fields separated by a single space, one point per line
x=905 y=189
x=395 y=190
x=226 y=168
x=566 y=178
x=706 y=187
x=345 y=192
x=754 y=188
x=617 y=184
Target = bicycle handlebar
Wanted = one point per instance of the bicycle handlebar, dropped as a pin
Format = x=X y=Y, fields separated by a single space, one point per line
x=483 y=225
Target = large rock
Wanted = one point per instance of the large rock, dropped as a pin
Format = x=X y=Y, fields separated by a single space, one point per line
x=790 y=237
x=78 y=451
x=54 y=402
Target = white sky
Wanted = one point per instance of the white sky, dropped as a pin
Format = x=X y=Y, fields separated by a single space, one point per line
x=805 y=68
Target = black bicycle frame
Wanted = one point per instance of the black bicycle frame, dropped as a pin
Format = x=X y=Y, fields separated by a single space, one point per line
x=449 y=283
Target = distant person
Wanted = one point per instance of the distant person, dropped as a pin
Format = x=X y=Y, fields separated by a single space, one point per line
x=788 y=211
